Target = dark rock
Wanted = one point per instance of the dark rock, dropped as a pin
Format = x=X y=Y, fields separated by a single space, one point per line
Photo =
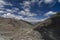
x=52 y=30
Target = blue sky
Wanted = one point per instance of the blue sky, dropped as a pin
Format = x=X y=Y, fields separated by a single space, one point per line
x=29 y=10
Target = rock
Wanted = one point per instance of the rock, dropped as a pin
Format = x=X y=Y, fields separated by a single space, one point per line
x=12 y=29
x=52 y=30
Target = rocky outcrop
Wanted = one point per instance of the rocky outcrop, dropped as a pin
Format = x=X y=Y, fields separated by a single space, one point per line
x=51 y=31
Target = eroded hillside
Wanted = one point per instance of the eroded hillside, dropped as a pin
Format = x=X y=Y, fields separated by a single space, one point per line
x=51 y=31
x=11 y=29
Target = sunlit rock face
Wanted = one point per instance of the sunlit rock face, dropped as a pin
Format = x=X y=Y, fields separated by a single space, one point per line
x=51 y=31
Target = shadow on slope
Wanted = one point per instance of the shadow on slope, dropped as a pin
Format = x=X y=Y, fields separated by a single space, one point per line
x=51 y=31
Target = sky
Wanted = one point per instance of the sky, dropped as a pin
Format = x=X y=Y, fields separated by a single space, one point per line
x=29 y=10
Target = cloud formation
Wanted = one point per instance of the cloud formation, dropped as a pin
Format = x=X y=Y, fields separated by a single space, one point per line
x=29 y=19
x=26 y=12
x=9 y=15
x=48 y=1
x=2 y=3
x=34 y=20
x=58 y=0
x=50 y=13
x=26 y=5
x=26 y=9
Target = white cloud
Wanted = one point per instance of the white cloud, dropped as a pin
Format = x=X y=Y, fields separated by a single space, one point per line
x=9 y=10
x=58 y=0
x=9 y=15
x=16 y=9
x=39 y=3
x=48 y=1
x=2 y=12
x=34 y=1
x=12 y=10
x=50 y=13
x=26 y=9
x=2 y=3
x=34 y=20
x=51 y=3
x=27 y=12
x=25 y=4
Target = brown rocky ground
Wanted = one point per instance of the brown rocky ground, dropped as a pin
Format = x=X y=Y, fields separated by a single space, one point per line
x=11 y=29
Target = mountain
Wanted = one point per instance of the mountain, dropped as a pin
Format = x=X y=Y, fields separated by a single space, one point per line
x=50 y=30
x=11 y=29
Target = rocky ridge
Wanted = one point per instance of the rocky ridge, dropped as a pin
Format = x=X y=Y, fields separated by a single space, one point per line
x=11 y=29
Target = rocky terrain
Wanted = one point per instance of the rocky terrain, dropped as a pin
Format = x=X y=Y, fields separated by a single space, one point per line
x=11 y=29
x=51 y=31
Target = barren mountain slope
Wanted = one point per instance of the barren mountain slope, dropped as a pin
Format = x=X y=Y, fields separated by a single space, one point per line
x=11 y=29
x=50 y=29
